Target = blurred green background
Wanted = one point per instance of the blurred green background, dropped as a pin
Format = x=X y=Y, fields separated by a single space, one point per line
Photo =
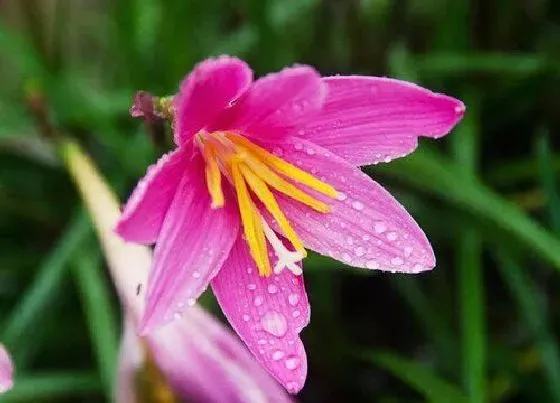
x=482 y=327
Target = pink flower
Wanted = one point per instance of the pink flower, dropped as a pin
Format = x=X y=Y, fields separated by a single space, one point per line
x=264 y=169
x=6 y=371
x=198 y=356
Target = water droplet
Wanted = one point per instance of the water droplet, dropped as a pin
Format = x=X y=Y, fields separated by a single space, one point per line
x=249 y=270
x=397 y=261
x=387 y=159
x=177 y=316
x=359 y=251
x=298 y=146
x=246 y=318
x=261 y=341
x=341 y=196
x=191 y=302
x=407 y=251
x=252 y=286
x=258 y=300
x=278 y=151
x=392 y=236
x=196 y=274
x=366 y=237
x=295 y=314
x=292 y=387
x=418 y=268
x=357 y=205
x=272 y=289
x=275 y=323
x=278 y=355
x=293 y=299
x=380 y=227
x=310 y=151
x=292 y=363
x=372 y=264
x=459 y=109
x=346 y=257
x=350 y=241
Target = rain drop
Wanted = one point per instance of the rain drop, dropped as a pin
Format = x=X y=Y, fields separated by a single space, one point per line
x=392 y=236
x=293 y=299
x=258 y=300
x=277 y=355
x=272 y=289
x=252 y=286
x=341 y=196
x=366 y=237
x=292 y=363
x=275 y=323
x=196 y=274
x=357 y=205
x=246 y=318
x=372 y=264
x=191 y=302
x=310 y=151
x=359 y=251
x=397 y=261
x=298 y=146
x=380 y=227
x=346 y=257
x=407 y=251
x=295 y=314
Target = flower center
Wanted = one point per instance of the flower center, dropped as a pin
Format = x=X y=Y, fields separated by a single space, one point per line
x=253 y=172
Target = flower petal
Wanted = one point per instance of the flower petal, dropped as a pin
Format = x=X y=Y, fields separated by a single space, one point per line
x=146 y=207
x=367 y=120
x=209 y=89
x=130 y=362
x=276 y=103
x=194 y=242
x=366 y=226
x=6 y=370
x=204 y=362
x=268 y=313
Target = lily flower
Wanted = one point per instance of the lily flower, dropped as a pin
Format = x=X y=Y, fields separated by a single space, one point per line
x=263 y=170
x=197 y=356
x=6 y=370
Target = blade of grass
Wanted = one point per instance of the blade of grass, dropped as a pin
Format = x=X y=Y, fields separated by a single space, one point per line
x=469 y=264
x=433 y=173
x=525 y=294
x=33 y=387
x=100 y=316
x=418 y=377
x=548 y=180
x=45 y=286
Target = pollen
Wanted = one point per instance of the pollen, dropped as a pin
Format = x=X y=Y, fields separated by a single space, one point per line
x=255 y=173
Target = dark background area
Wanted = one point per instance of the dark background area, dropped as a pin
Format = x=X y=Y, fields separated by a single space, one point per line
x=481 y=327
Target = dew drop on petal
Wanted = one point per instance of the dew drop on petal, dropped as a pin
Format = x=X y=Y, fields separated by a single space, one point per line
x=191 y=302
x=346 y=257
x=359 y=251
x=252 y=286
x=293 y=299
x=372 y=264
x=341 y=196
x=407 y=251
x=177 y=316
x=392 y=236
x=298 y=146
x=261 y=341
x=246 y=318
x=292 y=387
x=310 y=151
x=295 y=314
x=275 y=323
x=272 y=289
x=277 y=355
x=397 y=261
x=292 y=363
x=380 y=227
x=258 y=300
x=418 y=268
x=357 y=205
x=196 y=274
x=366 y=237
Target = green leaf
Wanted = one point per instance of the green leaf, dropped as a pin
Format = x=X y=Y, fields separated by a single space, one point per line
x=548 y=180
x=100 y=316
x=526 y=296
x=418 y=377
x=46 y=286
x=433 y=173
x=33 y=387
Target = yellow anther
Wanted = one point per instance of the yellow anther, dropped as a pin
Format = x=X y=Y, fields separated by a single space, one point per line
x=252 y=227
x=213 y=177
x=267 y=198
x=285 y=168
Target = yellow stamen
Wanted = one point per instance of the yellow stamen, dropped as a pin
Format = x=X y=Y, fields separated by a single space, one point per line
x=289 y=170
x=213 y=177
x=265 y=195
x=278 y=183
x=251 y=226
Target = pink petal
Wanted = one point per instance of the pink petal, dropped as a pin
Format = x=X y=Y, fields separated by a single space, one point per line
x=194 y=242
x=209 y=89
x=367 y=120
x=6 y=370
x=131 y=362
x=145 y=209
x=366 y=226
x=268 y=313
x=204 y=362
x=276 y=103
